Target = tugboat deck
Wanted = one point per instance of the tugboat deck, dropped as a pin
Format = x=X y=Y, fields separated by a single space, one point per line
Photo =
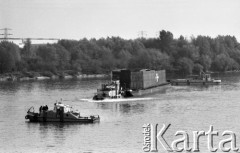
x=60 y=113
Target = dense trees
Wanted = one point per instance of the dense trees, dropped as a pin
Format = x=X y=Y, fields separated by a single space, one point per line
x=9 y=56
x=103 y=55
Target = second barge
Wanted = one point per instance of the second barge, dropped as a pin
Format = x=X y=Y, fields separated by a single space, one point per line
x=202 y=79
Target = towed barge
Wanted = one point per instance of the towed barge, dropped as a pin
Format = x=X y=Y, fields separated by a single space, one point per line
x=126 y=83
x=202 y=79
x=60 y=113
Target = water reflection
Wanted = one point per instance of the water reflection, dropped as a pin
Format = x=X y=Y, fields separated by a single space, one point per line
x=9 y=87
x=130 y=108
x=55 y=132
x=123 y=107
x=15 y=86
x=186 y=107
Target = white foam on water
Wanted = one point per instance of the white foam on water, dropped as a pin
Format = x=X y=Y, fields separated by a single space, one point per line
x=116 y=100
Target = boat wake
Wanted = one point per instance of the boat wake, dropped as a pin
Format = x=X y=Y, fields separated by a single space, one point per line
x=115 y=100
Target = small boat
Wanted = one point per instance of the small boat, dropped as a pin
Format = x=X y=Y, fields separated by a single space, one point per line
x=60 y=113
x=202 y=79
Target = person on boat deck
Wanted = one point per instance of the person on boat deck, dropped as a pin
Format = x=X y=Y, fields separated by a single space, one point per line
x=46 y=107
x=55 y=107
x=40 y=109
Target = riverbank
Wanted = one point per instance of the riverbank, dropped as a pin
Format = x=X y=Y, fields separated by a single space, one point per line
x=23 y=76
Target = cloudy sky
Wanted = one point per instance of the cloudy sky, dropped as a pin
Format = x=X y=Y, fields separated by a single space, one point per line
x=76 y=19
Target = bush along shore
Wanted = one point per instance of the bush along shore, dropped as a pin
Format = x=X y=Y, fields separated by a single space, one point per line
x=22 y=76
x=100 y=56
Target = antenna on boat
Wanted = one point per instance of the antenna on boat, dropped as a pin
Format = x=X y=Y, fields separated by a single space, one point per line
x=111 y=75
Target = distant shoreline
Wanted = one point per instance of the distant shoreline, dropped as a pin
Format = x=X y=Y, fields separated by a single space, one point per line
x=24 y=76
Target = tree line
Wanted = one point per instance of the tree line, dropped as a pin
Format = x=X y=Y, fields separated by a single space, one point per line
x=95 y=56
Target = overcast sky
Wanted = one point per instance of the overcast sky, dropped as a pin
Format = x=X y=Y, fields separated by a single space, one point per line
x=76 y=19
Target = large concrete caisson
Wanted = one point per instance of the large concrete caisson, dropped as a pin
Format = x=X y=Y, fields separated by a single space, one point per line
x=142 y=79
x=126 y=83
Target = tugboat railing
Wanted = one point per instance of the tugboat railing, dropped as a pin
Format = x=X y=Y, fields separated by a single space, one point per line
x=30 y=109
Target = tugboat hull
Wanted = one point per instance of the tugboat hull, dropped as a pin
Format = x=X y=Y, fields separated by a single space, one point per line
x=37 y=118
x=61 y=113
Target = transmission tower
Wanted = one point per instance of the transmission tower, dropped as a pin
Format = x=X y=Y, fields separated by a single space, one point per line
x=142 y=34
x=5 y=33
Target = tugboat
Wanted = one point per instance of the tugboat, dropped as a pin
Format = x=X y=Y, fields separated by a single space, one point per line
x=126 y=83
x=202 y=79
x=60 y=113
x=112 y=90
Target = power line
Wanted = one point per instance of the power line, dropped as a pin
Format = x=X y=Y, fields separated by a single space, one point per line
x=6 y=34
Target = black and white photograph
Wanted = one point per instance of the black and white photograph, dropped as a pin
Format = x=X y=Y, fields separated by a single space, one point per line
x=119 y=76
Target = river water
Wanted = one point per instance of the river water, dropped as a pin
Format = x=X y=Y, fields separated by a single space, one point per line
x=188 y=108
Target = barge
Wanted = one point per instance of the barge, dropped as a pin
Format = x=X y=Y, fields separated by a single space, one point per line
x=202 y=79
x=60 y=113
x=126 y=83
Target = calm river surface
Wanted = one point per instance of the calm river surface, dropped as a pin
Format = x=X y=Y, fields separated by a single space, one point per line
x=189 y=108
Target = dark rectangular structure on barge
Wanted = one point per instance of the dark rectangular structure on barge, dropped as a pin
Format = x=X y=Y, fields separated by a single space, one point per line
x=142 y=79
x=116 y=75
x=126 y=83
